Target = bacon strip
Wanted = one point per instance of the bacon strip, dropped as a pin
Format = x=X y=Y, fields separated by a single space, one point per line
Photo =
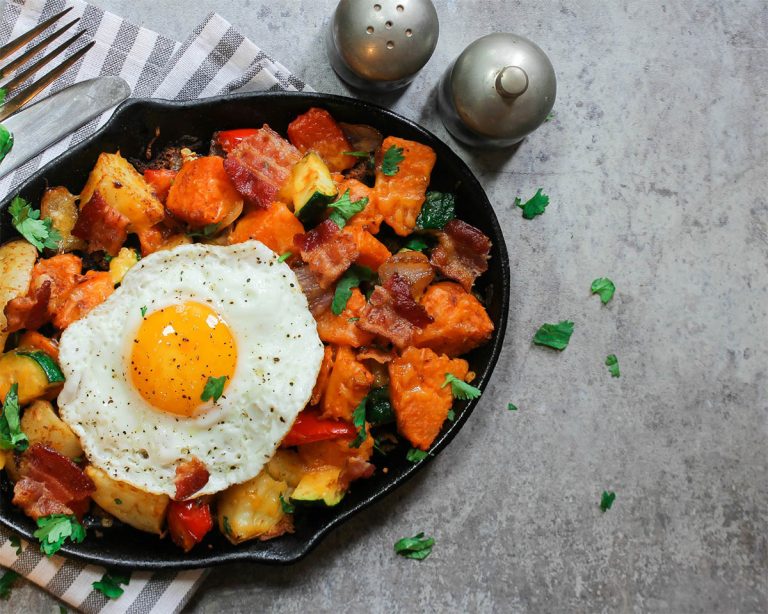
x=30 y=311
x=318 y=298
x=462 y=253
x=260 y=165
x=36 y=500
x=413 y=267
x=191 y=476
x=327 y=251
x=102 y=226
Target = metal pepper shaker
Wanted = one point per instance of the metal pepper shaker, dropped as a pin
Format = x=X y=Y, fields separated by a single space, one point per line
x=499 y=90
x=381 y=44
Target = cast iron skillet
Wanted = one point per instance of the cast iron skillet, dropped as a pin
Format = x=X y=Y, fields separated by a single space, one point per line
x=130 y=129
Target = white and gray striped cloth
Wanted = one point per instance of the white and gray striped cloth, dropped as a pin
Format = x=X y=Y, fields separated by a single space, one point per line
x=215 y=59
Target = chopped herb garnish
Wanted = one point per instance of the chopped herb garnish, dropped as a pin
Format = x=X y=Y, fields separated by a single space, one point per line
x=613 y=365
x=283 y=257
x=118 y=501
x=550 y=116
x=26 y=220
x=438 y=209
x=16 y=543
x=415 y=245
x=391 y=160
x=533 y=206
x=288 y=508
x=143 y=311
x=351 y=279
x=11 y=435
x=358 y=419
x=512 y=407
x=378 y=407
x=227 y=527
x=110 y=583
x=604 y=288
x=555 y=336
x=606 y=500
x=460 y=389
x=6 y=141
x=417 y=547
x=352 y=319
x=451 y=415
x=214 y=388
x=344 y=209
x=55 y=529
x=414 y=455
x=206 y=232
x=6 y=582
x=357 y=154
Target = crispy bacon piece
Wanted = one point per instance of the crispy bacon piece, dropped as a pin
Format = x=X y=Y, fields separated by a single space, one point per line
x=102 y=226
x=30 y=311
x=373 y=353
x=462 y=253
x=49 y=478
x=318 y=298
x=260 y=165
x=327 y=251
x=413 y=267
x=393 y=313
x=191 y=476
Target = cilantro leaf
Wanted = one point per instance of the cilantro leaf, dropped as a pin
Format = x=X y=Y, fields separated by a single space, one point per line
x=555 y=336
x=143 y=310
x=460 y=389
x=533 y=206
x=6 y=582
x=55 y=529
x=110 y=583
x=11 y=435
x=358 y=419
x=550 y=116
x=613 y=365
x=284 y=256
x=415 y=245
x=604 y=288
x=438 y=209
x=451 y=415
x=206 y=232
x=414 y=455
x=512 y=407
x=15 y=541
x=214 y=388
x=378 y=407
x=606 y=500
x=357 y=154
x=350 y=279
x=6 y=141
x=288 y=508
x=3 y=92
x=391 y=160
x=417 y=547
x=26 y=220
x=344 y=209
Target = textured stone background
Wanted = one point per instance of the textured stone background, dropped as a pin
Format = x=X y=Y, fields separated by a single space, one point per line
x=656 y=164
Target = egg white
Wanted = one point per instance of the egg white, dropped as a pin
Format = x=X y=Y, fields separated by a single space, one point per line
x=279 y=356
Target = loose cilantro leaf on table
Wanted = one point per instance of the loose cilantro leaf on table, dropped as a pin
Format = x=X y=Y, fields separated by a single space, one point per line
x=533 y=206
x=283 y=257
x=343 y=209
x=26 y=220
x=358 y=419
x=350 y=279
x=604 y=288
x=613 y=365
x=460 y=389
x=550 y=116
x=414 y=455
x=6 y=141
x=512 y=407
x=391 y=160
x=606 y=500
x=417 y=547
x=55 y=529
x=438 y=209
x=11 y=435
x=555 y=336
x=288 y=508
x=415 y=245
x=214 y=388
x=109 y=585
x=6 y=582
x=15 y=541
x=2 y=95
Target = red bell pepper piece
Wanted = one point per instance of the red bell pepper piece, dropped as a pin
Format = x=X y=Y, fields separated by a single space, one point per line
x=189 y=521
x=161 y=180
x=229 y=139
x=310 y=427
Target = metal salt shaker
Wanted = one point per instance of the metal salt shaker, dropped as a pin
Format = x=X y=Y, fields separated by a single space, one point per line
x=499 y=90
x=381 y=44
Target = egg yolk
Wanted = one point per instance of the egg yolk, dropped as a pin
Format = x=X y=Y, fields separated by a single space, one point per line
x=175 y=352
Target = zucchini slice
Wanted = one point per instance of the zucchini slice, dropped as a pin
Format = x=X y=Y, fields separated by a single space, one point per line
x=310 y=188
x=33 y=381
x=47 y=364
x=321 y=486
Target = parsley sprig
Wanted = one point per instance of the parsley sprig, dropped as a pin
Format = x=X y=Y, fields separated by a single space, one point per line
x=351 y=279
x=460 y=389
x=55 y=529
x=390 y=163
x=214 y=388
x=11 y=435
x=26 y=220
x=417 y=547
x=344 y=208
x=604 y=288
x=533 y=206
x=414 y=455
x=110 y=582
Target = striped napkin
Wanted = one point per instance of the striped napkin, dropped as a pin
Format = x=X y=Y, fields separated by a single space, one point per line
x=215 y=59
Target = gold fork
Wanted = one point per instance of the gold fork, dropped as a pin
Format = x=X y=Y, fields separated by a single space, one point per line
x=23 y=96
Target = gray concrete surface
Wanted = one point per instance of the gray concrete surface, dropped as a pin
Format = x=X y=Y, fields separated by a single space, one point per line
x=656 y=163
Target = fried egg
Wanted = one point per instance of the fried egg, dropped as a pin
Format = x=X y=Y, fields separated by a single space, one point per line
x=182 y=323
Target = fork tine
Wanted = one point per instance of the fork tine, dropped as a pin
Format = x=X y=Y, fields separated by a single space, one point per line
x=32 y=90
x=27 y=73
x=22 y=40
x=27 y=55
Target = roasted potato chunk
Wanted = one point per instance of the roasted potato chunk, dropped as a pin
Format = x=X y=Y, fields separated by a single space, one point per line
x=121 y=264
x=17 y=258
x=252 y=509
x=42 y=425
x=61 y=206
x=142 y=510
x=286 y=466
x=125 y=190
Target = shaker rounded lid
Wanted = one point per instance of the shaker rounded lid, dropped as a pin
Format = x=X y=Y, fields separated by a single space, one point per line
x=503 y=86
x=385 y=40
